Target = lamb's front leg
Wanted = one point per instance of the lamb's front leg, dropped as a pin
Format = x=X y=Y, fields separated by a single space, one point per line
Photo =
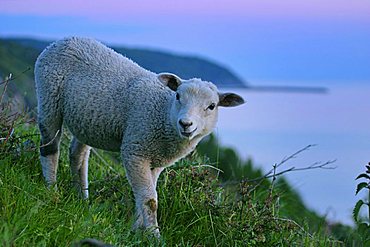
x=140 y=178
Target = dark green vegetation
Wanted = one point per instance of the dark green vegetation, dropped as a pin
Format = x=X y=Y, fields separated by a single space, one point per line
x=16 y=55
x=362 y=223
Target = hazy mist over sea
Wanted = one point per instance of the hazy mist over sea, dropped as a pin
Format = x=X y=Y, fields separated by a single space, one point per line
x=271 y=126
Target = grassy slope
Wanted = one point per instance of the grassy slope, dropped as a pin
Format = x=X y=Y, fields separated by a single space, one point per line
x=193 y=209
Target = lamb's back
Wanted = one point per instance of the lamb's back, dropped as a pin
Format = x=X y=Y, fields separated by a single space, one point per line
x=99 y=89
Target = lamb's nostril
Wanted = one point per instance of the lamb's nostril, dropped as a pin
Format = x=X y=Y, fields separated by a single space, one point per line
x=185 y=124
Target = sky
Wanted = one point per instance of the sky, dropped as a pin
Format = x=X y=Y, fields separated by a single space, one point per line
x=296 y=42
x=265 y=42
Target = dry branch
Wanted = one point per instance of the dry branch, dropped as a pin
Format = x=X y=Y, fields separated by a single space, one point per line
x=12 y=78
x=273 y=173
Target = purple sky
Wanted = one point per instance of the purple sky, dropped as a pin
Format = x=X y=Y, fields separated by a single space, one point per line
x=297 y=42
x=123 y=10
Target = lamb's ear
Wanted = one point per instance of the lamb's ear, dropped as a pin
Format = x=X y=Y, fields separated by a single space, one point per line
x=230 y=99
x=170 y=80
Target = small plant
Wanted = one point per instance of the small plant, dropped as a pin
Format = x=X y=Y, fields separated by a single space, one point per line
x=363 y=225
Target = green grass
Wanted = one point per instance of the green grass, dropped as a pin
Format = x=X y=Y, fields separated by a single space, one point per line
x=196 y=207
x=194 y=210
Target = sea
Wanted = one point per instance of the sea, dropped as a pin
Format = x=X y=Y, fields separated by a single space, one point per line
x=270 y=126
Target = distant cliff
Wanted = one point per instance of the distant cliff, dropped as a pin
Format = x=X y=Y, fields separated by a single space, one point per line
x=16 y=55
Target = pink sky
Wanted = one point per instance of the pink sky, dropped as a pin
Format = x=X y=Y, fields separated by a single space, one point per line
x=329 y=9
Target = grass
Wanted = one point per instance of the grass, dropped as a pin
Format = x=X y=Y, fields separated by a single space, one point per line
x=194 y=210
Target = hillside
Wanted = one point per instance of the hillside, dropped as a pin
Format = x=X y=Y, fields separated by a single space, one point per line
x=196 y=207
x=18 y=54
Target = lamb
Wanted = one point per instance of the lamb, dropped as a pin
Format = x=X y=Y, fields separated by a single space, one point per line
x=109 y=102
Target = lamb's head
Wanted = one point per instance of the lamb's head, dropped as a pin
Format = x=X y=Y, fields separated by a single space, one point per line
x=195 y=105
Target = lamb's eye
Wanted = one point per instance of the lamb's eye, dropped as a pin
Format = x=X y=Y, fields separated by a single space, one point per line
x=177 y=96
x=212 y=106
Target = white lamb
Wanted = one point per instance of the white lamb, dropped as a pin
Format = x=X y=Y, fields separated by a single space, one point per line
x=109 y=102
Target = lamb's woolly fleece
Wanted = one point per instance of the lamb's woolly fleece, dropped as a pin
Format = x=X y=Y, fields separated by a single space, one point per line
x=108 y=101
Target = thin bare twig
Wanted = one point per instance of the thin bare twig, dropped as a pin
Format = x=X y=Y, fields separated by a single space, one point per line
x=316 y=165
x=15 y=77
x=103 y=160
x=7 y=80
x=39 y=200
x=9 y=117
x=47 y=144
x=205 y=165
x=322 y=166
x=292 y=156
x=10 y=133
x=294 y=223
x=273 y=172
x=97 y=154
x=274 y=167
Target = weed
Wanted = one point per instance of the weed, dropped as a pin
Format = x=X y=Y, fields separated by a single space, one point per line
x=363 y=224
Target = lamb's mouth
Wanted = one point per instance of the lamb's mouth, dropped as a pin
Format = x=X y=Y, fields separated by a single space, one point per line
x=188 y=134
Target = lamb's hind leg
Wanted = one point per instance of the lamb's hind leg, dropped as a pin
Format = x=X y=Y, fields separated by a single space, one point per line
x=49 y=151
x=79 y=157
x=155 y=174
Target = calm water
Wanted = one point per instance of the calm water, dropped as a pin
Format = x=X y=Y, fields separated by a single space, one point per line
x=271 y=126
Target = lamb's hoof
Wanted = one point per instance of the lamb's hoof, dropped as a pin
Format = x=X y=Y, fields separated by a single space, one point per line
x=52 y=186
x=154 y=230
x=156 y=233
x=151 y=230
x=84 y=194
